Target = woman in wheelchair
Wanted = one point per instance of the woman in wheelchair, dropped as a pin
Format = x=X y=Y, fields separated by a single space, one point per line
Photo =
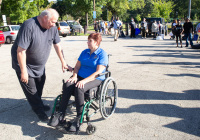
x=90 y=64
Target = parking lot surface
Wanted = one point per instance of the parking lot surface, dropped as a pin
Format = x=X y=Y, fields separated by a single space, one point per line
x=158 y=86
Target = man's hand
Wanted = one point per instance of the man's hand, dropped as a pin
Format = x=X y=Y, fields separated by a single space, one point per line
x=66 y=67
x=24 y=77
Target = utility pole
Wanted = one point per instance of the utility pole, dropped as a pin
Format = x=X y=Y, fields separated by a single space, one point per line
x=189 y=9
x=94 y=10
x=94 y=7
x=94 y=4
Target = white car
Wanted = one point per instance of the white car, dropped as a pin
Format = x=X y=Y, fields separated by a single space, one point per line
x=63 y=28
x=10 y=32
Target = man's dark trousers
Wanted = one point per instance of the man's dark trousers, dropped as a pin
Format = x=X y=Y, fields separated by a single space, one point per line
x=33 y=91
x=132 y=32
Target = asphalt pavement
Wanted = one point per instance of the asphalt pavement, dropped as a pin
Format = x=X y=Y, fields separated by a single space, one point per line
x=158 y=86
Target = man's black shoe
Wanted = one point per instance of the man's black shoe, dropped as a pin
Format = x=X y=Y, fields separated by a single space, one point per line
x=42 y=116
x=46 y=108
x=186 y=46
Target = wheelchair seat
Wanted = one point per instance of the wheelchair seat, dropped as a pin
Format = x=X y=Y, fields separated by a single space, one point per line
x=91 y=93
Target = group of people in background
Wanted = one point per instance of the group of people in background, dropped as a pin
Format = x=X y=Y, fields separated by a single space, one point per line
x=187 y=28
x=156 y=29
x=105 y=27
x=102 y=26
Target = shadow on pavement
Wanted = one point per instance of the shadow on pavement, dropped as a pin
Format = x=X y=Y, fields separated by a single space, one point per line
x=162 y=63
x=184 y=74
x=190 y=118
x=22 y=115
x=175 y=55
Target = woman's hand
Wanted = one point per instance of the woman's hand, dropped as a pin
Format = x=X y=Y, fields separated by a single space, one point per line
x=81 y=84
x=72 y=79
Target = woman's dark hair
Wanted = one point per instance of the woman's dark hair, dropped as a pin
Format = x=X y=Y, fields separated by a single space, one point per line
x=96 y=37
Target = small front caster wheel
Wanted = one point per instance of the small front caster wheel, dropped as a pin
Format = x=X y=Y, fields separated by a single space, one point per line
x=91 y=129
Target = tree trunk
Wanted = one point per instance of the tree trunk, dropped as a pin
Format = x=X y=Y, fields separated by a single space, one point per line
x=86 y=15
x=0 y=4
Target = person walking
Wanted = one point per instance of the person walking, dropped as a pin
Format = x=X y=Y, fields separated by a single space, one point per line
x=132 y=27
x=198 y=31
x=154 y=29
x=144 y=28
x=159 y=28
x=188 y=30
x=173 y=28
x=30 y=52
x=106 y=28
x=102 y=26
x=117 y=25
x=96 y=26
x=178 y=32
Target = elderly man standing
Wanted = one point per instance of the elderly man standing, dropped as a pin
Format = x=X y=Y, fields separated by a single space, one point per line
x=30 y=52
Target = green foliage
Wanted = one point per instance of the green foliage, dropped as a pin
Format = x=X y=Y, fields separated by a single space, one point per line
x=120 y=7
x=21 y=10
x=162 y=8
x=138 y=18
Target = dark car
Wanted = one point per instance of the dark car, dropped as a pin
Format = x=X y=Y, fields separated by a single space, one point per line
x=2 y=40
x=162 y=21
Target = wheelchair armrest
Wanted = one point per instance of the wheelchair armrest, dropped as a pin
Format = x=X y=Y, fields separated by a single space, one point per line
x=107 y=72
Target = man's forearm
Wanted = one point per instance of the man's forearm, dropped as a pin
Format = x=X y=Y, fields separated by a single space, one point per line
x=59 y=52
x=21 y=57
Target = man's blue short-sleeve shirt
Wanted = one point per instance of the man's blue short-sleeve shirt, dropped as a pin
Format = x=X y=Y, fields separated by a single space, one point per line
x=89 y=62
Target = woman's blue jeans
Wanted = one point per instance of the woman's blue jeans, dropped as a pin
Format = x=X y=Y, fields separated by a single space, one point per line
x=188 y=35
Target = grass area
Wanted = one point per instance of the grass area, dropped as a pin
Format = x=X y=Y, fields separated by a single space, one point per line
x=90 y=28
x=82 y=34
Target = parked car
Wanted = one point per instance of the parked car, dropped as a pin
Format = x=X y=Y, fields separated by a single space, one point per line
x=63 y=28
x=2 y=40
x=75 y=26
x=10 y=32
x=162 y=21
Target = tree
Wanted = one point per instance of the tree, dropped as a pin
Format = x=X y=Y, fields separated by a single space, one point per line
x=120 y=7
x=21 y=10
x=61 y=7
x=162 y=8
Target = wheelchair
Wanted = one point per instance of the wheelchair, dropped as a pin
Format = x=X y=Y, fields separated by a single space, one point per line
x=101 y=99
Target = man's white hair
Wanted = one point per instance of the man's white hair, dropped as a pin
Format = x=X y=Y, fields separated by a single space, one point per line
x=50 y=13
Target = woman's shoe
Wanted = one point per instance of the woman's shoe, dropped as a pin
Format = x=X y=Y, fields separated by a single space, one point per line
x=75 y=125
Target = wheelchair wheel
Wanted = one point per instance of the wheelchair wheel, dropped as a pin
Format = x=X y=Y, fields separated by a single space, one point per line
x=108 y=97
x=91 y=129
